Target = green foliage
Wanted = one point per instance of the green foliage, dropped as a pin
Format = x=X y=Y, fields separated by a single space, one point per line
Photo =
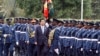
x=62 y=8
x=31 y=7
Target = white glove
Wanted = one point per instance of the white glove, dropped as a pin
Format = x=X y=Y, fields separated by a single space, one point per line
x=5 y=35
x=57 y=51
x=71 y=47
x=81 y=49
x=96 y=51
x=17 y=43
x=47 y=25
x=27 y=42
x=90 y=50
x=35 y=43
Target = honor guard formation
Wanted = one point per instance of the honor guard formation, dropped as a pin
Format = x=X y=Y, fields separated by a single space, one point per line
x=32 y=37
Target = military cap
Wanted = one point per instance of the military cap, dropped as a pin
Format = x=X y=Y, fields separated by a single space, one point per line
x=16 y=18
x=85 y=23
x=96 y=24
x=90 y=23
x=80 y=22
x=29 y=18
x=69 y=21
x=60 y=21
x=73 y=21
x=9 y=19
x=65 y=21
x=55 y=20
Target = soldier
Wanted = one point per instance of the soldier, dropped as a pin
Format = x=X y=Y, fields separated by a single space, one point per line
x=1 y=36
x=24 y=37
x=79 y=38
x=98 y=47
x=94 y=39
x=63 y=33
x=8 y=35
x=17 y=35
x=87 y=43
x=53 y=36
x=35 y=23
x=54 y=23
x=31 y=31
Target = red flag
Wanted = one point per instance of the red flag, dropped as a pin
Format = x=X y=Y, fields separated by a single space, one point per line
x=46 y=10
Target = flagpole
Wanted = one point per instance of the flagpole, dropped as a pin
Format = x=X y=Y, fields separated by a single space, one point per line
x=81 y=10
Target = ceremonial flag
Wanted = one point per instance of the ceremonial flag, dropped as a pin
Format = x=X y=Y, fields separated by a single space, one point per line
x=51 y=9
x=46 y=10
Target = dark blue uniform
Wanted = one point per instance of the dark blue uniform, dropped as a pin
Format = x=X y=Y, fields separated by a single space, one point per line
x=94 y=37
x=31 y=47
x=24 y=38
x=1 y=39
x=98 y=46
x=8 y=31
x=54 y=44
x=17 y=38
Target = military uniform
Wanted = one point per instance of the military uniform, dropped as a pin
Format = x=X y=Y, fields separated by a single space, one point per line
x=1 y=40
x=32 y=47
x=8 y=36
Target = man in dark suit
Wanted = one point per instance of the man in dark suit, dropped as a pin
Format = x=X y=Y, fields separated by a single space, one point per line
x=41 y=35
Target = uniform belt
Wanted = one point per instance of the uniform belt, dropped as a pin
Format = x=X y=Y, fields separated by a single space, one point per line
x=94 y=39
x=6 y=35
x=17 y=31
x=78 y=39
x=73 y=37
x=99 y=42
x=87 y=39
x=64 y=37
x=22 y=32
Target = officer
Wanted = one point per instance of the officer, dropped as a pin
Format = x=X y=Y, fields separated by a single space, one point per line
x=54 y=23
x=12 y=46
x=8 y=36
x=31 y=31
x=53 y=38
x=1 y=36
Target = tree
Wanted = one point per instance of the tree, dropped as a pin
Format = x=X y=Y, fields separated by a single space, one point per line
x=63 y=8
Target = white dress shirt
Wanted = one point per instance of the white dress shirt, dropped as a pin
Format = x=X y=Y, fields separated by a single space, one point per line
x=42 y=28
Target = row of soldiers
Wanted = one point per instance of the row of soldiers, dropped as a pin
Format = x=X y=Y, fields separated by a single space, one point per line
x=76 y=38
x=17 y=39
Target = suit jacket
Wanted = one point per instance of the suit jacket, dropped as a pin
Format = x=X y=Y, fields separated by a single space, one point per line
x=42 y=38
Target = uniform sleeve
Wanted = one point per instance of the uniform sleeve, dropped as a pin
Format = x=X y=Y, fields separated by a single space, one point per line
x=56 y=38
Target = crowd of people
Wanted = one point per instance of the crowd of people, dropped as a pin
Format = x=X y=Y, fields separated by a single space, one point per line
x=32 y=37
